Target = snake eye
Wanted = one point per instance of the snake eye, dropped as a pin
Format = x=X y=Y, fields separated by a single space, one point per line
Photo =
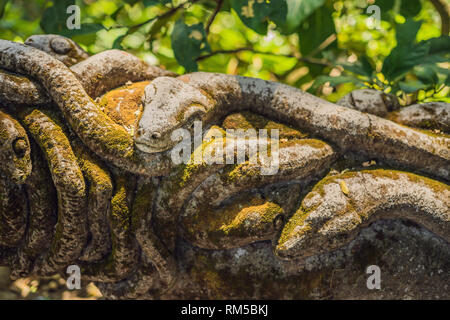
x=60 y=45
x=156 y=135
x=20 y=147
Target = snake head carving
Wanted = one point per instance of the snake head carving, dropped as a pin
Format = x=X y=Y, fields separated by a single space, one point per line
x=62 y=48
x=14 y=149
x=169 y=104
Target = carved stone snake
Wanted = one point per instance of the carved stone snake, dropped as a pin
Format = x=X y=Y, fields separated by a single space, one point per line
x=175 y=103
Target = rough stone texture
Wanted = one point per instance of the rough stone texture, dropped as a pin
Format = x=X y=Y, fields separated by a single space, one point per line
x=62 y=48
x=210 y=226
x=166 y=101
x=142 y=227
x=12 y=212
x=111 y=69
x=332 y=213
x=414 y=264
x=42 y=216
x=98 y=74
x=14 y=149
x=350 y=130
x=430 y=115
x=370 y=101
x=71 y=228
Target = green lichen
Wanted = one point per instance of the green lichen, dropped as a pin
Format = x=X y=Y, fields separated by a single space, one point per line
x=435 y=185
x=314 y=143
x=93 y=169
x=111 y=138
x=248 y=120
x=186 y=171
x=54 y=143
x=120 y=218
x=238 y=172
x=142 y=205
x=294 y=222
x=244 y=219
x=120 y=212
x=300 y=216
x=265 y=213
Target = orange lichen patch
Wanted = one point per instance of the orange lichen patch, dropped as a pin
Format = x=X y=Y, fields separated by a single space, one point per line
x=248 y=120
x=124 y=104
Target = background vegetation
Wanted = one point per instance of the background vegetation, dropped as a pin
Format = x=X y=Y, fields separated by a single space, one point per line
x=326 y=47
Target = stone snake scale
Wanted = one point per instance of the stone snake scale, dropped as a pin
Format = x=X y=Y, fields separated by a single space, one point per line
x=115 y=203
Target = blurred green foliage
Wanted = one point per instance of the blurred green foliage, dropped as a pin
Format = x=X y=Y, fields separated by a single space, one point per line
x=324 y=46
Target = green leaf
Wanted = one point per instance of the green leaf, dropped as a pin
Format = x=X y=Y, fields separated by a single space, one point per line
x=412 y=86
x=410 y=8
x=148 y=3
x=54 y=17
x=54 y=20
x=334 y=81
x=115 y=14
x=386 y=7
x=434 y=58
x=159 y=23
x=297 y=12
x=406 y=32
x=442 y=70
x=447 y=81
x=118 y=42
x=315 y=30
x=255 y=14
x=2 y=7
x=85 y=28
x=426 y=74
x=363 y=67
x=188 y=42
x=438 y=45
x=439 y=49
x=402 y=59
x=131 y=2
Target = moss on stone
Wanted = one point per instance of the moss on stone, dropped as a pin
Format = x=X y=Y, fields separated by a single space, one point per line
x=56 y=146
x=246 y=219
x=93 y=169
x=238 y=172
x=299 y=217
x=248 y=120
x=294 y=222
x=142 y=204
x=120 y=211
x=435 y=185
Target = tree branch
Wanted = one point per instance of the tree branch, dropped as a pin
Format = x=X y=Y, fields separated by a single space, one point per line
x=309 y=59
x=213 y=16
x=328 y=41
x=166 y=14
x=442 y=9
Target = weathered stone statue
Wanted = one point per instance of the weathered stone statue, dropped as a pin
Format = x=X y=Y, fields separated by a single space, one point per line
x=88 y=179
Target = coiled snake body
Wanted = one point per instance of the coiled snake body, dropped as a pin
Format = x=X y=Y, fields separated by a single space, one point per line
x=127 y=240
